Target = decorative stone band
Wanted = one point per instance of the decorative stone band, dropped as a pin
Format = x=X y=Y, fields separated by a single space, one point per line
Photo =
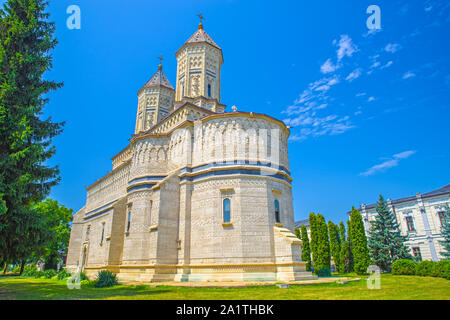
x=99 y=211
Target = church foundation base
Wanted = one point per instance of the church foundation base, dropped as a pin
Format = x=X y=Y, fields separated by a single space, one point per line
x=220 y=273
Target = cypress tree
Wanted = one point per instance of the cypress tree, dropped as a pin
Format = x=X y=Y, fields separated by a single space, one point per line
x=26 y=41
x=335 y=244
x=306 y=250
x=345 y=254
x=445 y=230
x=322 y=264
x=313 y=242
x=361 y=259
x=386 y=244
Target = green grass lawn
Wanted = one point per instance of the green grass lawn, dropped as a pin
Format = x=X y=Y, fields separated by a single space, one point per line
x=392 y=287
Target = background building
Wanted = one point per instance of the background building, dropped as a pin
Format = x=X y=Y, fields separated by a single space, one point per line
x=420 y=217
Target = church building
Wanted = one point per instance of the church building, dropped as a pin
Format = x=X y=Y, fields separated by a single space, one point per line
x=201 y=193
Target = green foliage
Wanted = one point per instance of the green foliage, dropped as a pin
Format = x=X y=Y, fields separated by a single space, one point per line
x=404 y=267
x=83 y=276
x=346 y=258
x=321 y=249
x=361 y=259
x=445 y=230
x=39 y=274
x=26 y=42
x=50 y=273
x=425 y=268
x=63 y=274
x=335 y=244
x=306 y=250
x=386 y=244
x=442 y=269
x=105 y=279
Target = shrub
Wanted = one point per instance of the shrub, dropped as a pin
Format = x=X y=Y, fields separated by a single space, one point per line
x=63 y=274
x=442 y=269
x=105 y=279
x=425 y=268
x=48 y=274
x=39 y=274
x=29 y=273
x=324 y=272
x=404 y=266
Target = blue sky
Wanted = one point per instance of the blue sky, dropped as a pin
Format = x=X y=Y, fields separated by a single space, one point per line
x=369 y=110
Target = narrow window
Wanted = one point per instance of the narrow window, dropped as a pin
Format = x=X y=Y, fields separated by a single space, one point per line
x=129 y=221
x=226 y=210
x=88 y=231
x=103 y=233
x=442 y=217
x=417 y=254
x=209 y=90
x=277 y=211
x=410 y=223
x=182 y=92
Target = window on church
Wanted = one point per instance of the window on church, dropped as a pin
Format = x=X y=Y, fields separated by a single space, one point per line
x=129 y=221
x=410 y=224
x=277 y=211
x=209 y=91
x=182 y=91
x=103 y=233
x=88 y=231
x=226 y=210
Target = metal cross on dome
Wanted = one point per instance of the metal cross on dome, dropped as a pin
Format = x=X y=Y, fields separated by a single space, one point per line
x=200 y=16
x=160 y=58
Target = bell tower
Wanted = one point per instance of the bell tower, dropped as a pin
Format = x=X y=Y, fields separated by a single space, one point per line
x=155 y=101
x=199 y=63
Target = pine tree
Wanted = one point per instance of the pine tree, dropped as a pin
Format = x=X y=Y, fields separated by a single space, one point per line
x=26 y=40
x=306 y=250
x=350 y=246
x=335 y=244
x=445 y=230
x=386 y=244
x=361 y=259
x=345 y=254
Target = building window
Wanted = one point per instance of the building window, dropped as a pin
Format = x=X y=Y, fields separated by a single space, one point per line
x=182 y=91
x=103 y=233
x=417 y=254
x=226 y=210
x=410 y=223
x=88 y=231
x=209 y=91
x=442 y=217
x=129 y=221
x=277 y=211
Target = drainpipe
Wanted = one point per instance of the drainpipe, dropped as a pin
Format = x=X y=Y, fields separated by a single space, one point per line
x=427 y=226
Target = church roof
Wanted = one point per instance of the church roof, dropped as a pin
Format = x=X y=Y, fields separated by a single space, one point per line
x=200 y=36
x=159 y=79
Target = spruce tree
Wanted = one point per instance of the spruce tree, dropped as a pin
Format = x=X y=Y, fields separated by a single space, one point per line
x=386 y=244
x=361 y=259
x=26 y=42
x=335 y=244
x=306 y=250
x=445 y=230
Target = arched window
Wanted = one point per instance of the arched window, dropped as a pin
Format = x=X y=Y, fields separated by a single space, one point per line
x=277 y=211
x=209 y=90
x=226 y=210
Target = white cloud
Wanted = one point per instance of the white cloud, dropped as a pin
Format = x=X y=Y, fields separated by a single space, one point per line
x=355 y=74
x=361 y=94
x=392 y=47
x=387 y=65
x=408 y=75
x=390 y=163
x=345 y=47
x=328 y=67
x=371 y=99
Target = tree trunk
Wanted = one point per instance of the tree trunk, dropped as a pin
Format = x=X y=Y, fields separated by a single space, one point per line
x=6 y=268
x=22 y=266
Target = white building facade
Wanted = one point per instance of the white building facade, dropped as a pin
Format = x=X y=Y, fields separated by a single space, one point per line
x=420 y=217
